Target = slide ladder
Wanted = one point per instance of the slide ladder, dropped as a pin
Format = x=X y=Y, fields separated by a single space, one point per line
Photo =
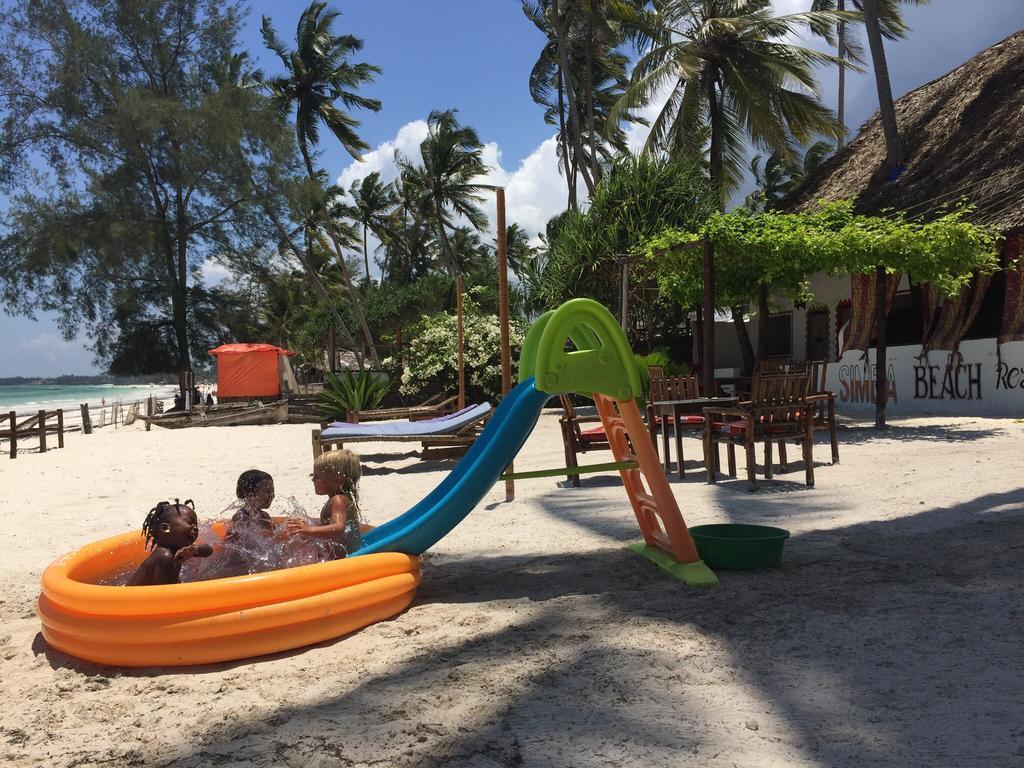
x=602 y=366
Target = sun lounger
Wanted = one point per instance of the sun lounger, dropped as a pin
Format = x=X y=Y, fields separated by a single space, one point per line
x=456 y=430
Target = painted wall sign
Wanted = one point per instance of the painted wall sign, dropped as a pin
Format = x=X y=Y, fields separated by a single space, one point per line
x=979 y=384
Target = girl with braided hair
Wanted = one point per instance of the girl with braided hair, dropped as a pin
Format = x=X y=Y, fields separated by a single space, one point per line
x=335 y=475
x=171 y=531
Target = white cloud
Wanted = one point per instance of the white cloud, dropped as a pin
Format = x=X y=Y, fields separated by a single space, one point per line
x=47 y=346
x=214 y=273
x=534 y=192
x=382 y=159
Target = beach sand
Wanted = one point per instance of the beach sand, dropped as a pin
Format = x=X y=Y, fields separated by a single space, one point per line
x=891 y=636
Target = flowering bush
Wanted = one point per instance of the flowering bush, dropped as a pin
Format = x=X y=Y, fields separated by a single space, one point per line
x=430 y=361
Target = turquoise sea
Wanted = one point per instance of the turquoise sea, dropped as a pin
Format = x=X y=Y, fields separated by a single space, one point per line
x=28 y=398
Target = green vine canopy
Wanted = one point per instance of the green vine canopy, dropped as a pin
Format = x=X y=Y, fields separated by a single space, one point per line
x=781 y=250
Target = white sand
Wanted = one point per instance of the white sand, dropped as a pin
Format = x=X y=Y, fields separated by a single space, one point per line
x=891 y=636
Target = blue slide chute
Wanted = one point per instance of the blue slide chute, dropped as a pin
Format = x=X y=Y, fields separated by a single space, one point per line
x=448 y=504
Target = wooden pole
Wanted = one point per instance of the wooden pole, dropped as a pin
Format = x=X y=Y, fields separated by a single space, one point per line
x=86 y=420
x=42 y=431
x=624 y=298
x=459 y=340
x=149 y=410
x=506 y=355
x=881 y=385
x=14 y=435
x=708 y=328
x=60 y=427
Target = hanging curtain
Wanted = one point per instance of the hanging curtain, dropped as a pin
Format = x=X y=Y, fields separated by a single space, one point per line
x=947 y=320
x=861 y=329
x=1012 y=326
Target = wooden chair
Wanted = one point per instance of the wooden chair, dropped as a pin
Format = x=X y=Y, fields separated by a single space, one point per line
x=779 y=409
x=673 y=388
x=578 y=440
x=823 y=400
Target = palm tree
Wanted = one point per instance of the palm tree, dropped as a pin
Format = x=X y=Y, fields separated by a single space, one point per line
x=778 y=177
x=372 y=206
x=446 y=182
x=728 y=68
x=319 y=75
x=519 y=252
x=581 y=51
x=891 y=26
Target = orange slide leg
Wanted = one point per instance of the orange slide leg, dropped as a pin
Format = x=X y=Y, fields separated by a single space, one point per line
x=667 y=541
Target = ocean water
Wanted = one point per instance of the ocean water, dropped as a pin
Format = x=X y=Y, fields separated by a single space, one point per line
x=28 y=398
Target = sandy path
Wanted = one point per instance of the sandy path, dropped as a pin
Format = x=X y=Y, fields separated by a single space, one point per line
x=891 y=636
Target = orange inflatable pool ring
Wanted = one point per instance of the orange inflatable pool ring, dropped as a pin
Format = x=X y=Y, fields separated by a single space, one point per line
x=218 y=620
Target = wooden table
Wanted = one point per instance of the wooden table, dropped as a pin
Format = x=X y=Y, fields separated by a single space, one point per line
x=677 y=409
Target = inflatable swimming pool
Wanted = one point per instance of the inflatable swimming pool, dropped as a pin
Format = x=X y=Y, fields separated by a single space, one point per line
x=218 y=620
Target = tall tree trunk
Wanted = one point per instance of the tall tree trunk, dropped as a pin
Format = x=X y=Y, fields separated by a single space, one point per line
x=746 y=347
x=570 y=95
x=357 y=304
x=881 y=384
x=450 y=255
x=366 y=256
x=886 y=108
x=762 y=321
x=179 y=297
x=590 y=92
x=841 y=106
x=718 y=187
x=563 y=140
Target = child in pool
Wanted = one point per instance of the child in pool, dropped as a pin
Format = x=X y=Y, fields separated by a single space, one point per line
x=171 y=531
x=335 y=475
x=255 y=489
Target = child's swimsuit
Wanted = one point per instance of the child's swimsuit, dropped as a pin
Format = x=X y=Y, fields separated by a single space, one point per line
x=351 y=537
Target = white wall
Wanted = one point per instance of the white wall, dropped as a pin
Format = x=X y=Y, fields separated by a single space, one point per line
x=980 y=385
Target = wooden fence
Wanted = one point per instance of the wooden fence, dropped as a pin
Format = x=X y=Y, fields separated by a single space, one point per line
x=27 y=431
x=35 y=427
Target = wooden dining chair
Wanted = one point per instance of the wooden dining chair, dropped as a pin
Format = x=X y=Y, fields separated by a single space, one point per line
x=578 y=440
x=779 y=409
x=673 y=388
x=822 y=400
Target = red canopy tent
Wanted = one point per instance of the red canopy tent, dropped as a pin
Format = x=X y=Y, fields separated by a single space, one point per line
x=250 y=370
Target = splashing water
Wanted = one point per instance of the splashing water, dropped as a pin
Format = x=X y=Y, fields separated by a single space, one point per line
x=249 y=548
x=252 y=549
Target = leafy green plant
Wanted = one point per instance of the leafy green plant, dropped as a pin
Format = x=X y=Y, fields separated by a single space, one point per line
x=428 y=361
x=350 y=391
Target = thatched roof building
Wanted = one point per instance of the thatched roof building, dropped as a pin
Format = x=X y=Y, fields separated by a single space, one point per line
x=963 y=137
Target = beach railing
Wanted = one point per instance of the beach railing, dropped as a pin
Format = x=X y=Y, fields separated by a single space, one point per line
x=37 y=426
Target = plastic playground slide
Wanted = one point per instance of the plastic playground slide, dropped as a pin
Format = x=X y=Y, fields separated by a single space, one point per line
x=458 y=494
x=232 y=618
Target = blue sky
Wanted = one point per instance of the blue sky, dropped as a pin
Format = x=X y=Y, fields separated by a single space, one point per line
x=476 y=55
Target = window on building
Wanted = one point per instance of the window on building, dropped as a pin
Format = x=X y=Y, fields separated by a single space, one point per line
x=780 y=335
x=905 y=323
x=817 y=332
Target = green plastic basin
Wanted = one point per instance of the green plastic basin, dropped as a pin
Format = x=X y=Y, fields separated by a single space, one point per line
x=738 y=547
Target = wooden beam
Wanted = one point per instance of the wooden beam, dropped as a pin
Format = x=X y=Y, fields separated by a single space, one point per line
x=506 y=355
x=708 y=345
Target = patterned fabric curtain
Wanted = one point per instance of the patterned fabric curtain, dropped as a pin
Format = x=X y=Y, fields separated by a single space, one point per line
x=861 y=329
x=946 y=323
x=1012 y=326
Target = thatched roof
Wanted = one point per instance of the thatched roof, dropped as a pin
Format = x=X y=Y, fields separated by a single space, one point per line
x=963 y=137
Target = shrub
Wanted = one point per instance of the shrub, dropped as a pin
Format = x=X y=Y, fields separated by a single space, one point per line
x=430 y=359
x=351 y=391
